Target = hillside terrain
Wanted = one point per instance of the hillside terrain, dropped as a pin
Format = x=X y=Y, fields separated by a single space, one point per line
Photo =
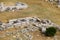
x=37 y=8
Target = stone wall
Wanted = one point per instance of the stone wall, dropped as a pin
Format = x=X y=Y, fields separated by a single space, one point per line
x=16 y=6
x=30 y=24
x=40 y=23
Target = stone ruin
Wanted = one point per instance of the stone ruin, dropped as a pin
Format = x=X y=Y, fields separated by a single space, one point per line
x=31 y=23
x=17 y=6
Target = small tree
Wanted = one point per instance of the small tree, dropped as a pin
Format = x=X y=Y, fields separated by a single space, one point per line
x=51 y=31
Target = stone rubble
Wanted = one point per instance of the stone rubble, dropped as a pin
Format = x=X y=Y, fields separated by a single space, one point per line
x=17 y=6
x=54 y=2
x=31 y=24
x=25 y=21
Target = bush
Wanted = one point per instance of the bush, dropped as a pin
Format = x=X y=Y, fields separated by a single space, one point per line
x=51 y=31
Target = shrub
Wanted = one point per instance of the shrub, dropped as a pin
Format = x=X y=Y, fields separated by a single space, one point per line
x=51 y=31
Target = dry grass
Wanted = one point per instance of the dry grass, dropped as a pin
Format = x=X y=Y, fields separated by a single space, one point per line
x=37 y=8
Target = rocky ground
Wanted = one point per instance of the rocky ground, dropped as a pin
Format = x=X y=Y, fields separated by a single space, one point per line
x=26 y=29
x=37 y=8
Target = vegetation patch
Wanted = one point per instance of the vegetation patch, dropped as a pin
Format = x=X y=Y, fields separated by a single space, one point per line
x=51 y=31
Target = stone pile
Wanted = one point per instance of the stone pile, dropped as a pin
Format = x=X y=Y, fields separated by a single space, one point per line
x=17 y=6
